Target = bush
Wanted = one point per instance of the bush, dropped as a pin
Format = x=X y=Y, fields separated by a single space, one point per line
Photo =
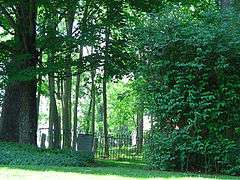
x=191 y=85
x=179 y=151
x=158 y=152
x=15 y=154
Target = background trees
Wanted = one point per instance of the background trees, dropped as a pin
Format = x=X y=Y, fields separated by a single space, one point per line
x=57 y=41
x=102 y=67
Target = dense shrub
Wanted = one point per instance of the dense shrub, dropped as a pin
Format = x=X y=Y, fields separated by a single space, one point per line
x=15 y=154
x=179 y=151
x=191 y=85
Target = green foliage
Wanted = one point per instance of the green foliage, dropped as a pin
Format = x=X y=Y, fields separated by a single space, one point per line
x=122 y=108
x=191 y=86
x=15 y=154
x=178 y=150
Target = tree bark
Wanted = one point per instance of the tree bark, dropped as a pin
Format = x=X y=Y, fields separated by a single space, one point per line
x=50 y=119
x=24 y=120
x=67 y=124
x=76 y=100
x=39 y=96
x=10 y=114
x=75 y=111
x=88 y=116
x=51 y=107
x=57 y=131
x=139 y=131
x=105 y=76
x=105 y=123
x=93 y=94
x=39 y=85
x=54 y=121
x=28 y=114
x=67 y=105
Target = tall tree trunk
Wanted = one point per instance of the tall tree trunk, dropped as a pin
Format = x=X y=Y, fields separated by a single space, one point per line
x=54 y=121
x=105 y=123
x=51 y=106
x=88 y=116
x=54 y=133
x=67 y=105
x=62 y=107
x=24 y=124
x=67 y=124
x=93 y=94
x=50 y=119
x=105 y=76
x=39 y=84
x=75 y=111
x=139 y=131
x=76 y=100
x=57 y=130
x=39 y=96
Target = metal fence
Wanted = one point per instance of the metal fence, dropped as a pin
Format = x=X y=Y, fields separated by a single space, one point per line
x=120 y=147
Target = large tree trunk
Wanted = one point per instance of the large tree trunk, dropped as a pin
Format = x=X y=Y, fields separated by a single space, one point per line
x=24 y=104
x=26 y=19
x=19 y=113
x=10 y=114
x=28 y=113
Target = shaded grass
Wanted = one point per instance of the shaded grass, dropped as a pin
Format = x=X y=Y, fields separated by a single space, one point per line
x=103 y=169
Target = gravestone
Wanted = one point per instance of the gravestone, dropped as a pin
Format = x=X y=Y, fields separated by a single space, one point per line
x=43 y=141
x=85 y=143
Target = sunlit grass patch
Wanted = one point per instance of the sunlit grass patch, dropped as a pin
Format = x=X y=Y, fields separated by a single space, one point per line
x=102 y=170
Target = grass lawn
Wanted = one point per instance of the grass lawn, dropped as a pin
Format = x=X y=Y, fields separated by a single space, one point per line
x=104 y=170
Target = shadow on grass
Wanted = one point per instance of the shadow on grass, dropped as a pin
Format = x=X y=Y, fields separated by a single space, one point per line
x=120 y=168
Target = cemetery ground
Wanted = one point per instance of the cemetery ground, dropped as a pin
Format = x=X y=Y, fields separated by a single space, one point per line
x=101 y=169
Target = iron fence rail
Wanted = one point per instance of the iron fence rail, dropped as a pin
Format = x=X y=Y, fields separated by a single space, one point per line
x=121 y=147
